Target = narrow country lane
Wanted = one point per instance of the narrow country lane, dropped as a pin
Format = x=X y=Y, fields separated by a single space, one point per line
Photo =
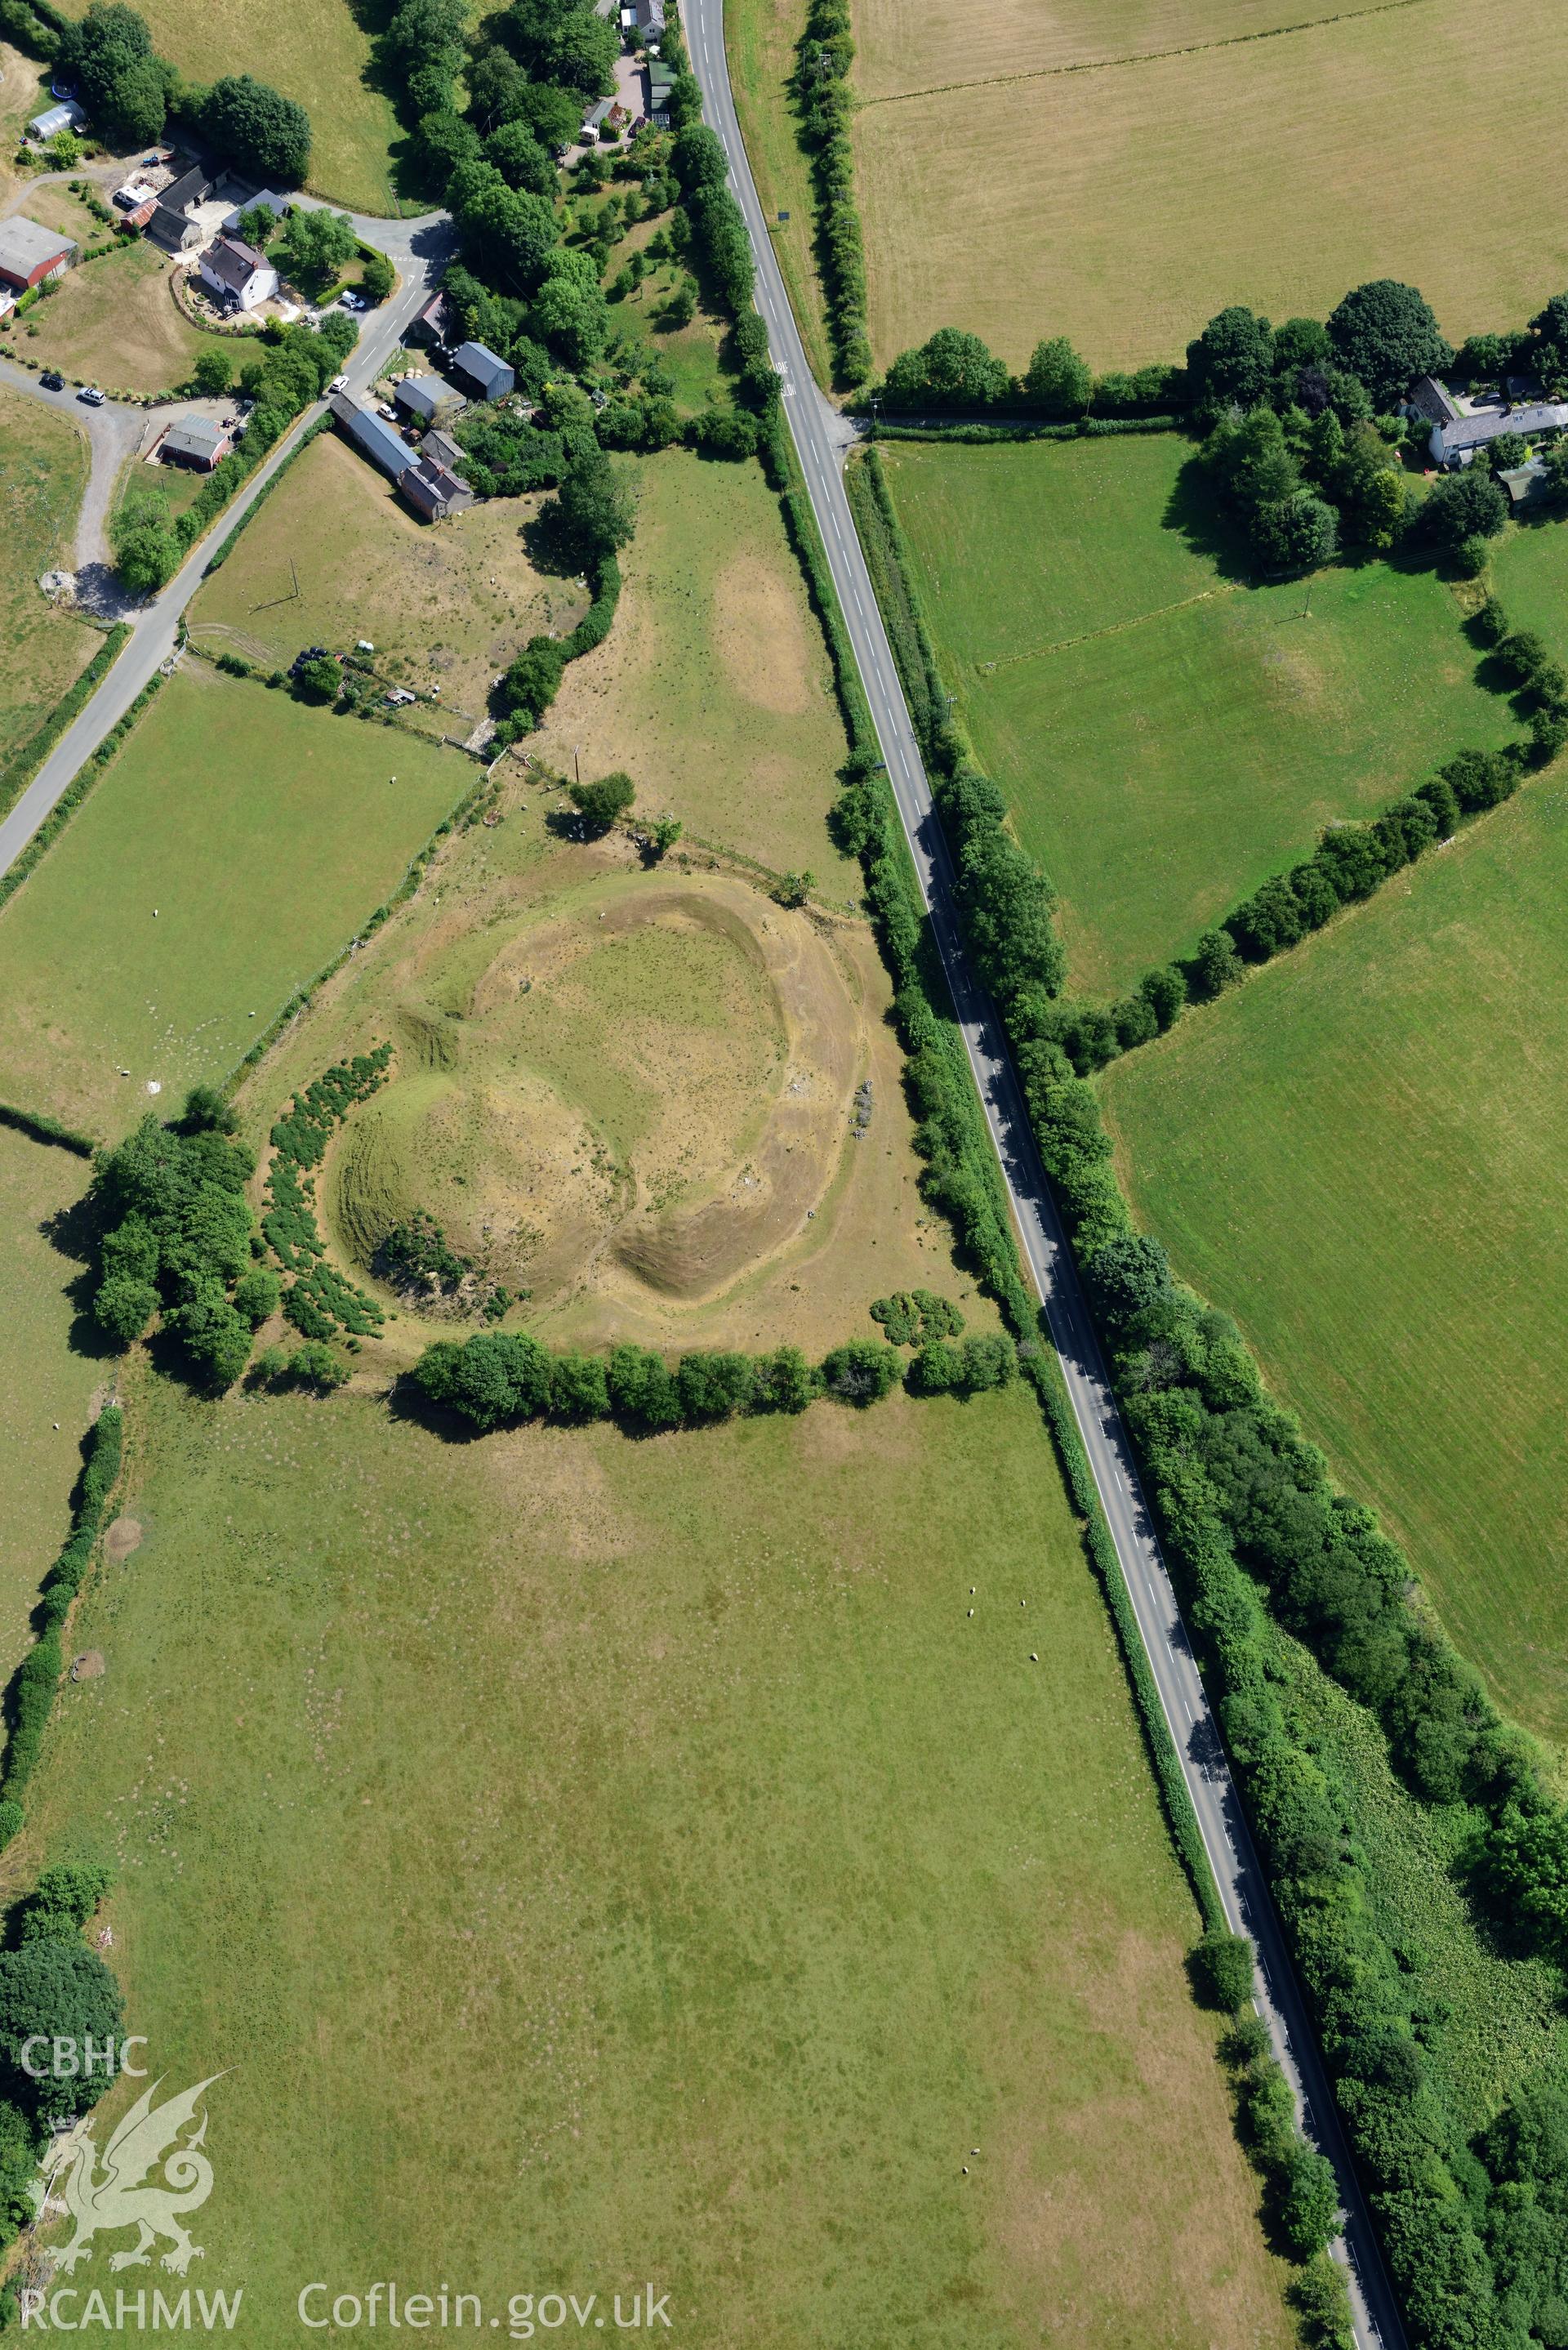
x=417 y=250
x=821 y=437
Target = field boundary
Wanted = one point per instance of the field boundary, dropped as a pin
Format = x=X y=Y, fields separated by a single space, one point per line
x=968 y=1187
x=1234 y=1606
x=38 y=1127
x=23 y=762
x=75 y=791
x=30 y=1696
x=1147 y=56
x=1115 y=628
x=826 y=107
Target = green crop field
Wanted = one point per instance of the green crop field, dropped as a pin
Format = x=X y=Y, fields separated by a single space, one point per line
x=1168 y=734
x=1530 y=575
x=317 y=51
x=712 y=690
x=633 y=1890
x=261 y=832
x=1118 y=172
x=50 y=1369
x=43 y=472
x=1361 y=1153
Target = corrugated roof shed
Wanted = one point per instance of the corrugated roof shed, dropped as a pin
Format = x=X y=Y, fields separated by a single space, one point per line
x=373 y=436
x=25 y=246
x=482 y=367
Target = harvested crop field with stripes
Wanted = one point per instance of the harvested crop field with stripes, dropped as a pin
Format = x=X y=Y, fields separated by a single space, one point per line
x=1119 y=174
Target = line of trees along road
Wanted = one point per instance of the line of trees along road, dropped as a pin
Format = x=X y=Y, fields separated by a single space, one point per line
x=1265 y=1549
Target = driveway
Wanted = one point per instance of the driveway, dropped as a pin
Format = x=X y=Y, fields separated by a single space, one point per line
x=113 y=434
x=419 y=254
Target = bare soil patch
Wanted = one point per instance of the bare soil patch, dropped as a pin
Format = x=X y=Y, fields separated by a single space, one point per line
x=760 y=634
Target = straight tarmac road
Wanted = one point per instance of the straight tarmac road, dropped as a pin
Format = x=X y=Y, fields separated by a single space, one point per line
x=821 y=437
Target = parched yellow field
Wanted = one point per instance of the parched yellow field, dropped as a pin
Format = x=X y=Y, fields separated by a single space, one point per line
x=951 y=41
x=333 y=555
x=712 y=691
x=316 y=51
x=43 y=472
x=114 y=322
x=1032 y=190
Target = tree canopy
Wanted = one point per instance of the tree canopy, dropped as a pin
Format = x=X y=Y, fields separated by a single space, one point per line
x=509 y=231
x=520 y=159
x=177 y=1232
x=568 y=312
x=594 y=505
x=564 y=42
x=1232 y=358
x=1058 y=381
x=1464 y=506
x=1386 y=334
x=952 y=370
x=119 y=77
x=602 y=802
x=315 y=245
x=57 y=1988
x=258 y=130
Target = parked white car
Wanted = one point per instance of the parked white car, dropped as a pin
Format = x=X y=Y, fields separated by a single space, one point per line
x=338 y=383
x=91 y=394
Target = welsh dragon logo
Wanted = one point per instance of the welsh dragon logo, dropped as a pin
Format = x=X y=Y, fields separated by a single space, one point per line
x=104 y=2195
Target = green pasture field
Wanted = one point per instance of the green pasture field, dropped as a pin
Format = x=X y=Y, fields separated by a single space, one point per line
x=1530 y=576
x=587 y=1886
x=332 y=555
x=760 y=36
x=1168 y=734
x=713 y=689
x=690 y=352
x=113 y=322
x=317 y=51
x=1361 y=1153
x=50 y=1366
x=43 y=472
x=262 y=832
x=1027 y=173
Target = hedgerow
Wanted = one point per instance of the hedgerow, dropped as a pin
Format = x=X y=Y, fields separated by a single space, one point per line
x=39 y=1127
x=31 y=1695
x=825 y=106
x=23 y=762
x=1261 y=1545
x=502 y=1377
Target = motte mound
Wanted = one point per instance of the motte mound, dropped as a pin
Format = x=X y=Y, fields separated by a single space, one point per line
x=648 y=1087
